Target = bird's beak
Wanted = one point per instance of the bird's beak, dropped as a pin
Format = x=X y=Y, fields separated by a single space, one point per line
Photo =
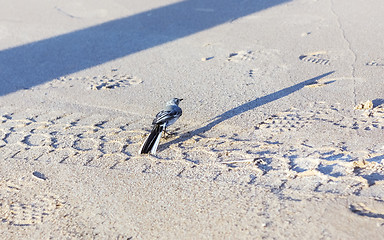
x=180 y=99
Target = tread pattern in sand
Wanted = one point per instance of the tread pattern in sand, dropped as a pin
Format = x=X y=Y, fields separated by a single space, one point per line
x=18 y=209
x=316 y=58
x=114 y=81
x=241 y=56
x=105 y=82
x=273 y=156
x=261 y=63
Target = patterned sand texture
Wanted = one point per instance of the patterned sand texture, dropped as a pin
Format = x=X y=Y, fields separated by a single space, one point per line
x=284 y=145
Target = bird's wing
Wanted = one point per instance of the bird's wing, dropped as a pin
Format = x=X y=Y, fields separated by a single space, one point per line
x=166 y=115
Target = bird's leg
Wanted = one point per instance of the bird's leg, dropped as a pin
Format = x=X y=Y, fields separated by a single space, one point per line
x=166 y=135
x=169 y=134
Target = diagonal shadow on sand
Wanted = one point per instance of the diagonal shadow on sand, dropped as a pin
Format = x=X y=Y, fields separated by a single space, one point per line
x=244 y=108
x=41 y=61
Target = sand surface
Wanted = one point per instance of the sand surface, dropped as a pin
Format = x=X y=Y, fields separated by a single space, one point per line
x=281 y=135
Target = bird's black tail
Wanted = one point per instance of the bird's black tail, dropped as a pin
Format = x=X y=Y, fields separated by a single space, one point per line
x=152 y=142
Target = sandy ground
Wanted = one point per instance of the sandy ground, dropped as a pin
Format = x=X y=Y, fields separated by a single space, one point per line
x=273 y=142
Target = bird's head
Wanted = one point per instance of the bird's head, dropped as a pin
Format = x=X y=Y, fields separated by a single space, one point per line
x=175 y=101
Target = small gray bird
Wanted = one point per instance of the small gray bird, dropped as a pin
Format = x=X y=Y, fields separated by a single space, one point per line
x=163 y=119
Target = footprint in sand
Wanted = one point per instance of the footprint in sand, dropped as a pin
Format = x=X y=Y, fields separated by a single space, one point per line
x=315 y=57
x=241 y=56
x=19 y=209
x=105 y=82
x=67 y=138
x=113 y=82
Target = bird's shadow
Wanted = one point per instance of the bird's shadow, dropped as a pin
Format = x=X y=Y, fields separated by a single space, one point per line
x=242 y=109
